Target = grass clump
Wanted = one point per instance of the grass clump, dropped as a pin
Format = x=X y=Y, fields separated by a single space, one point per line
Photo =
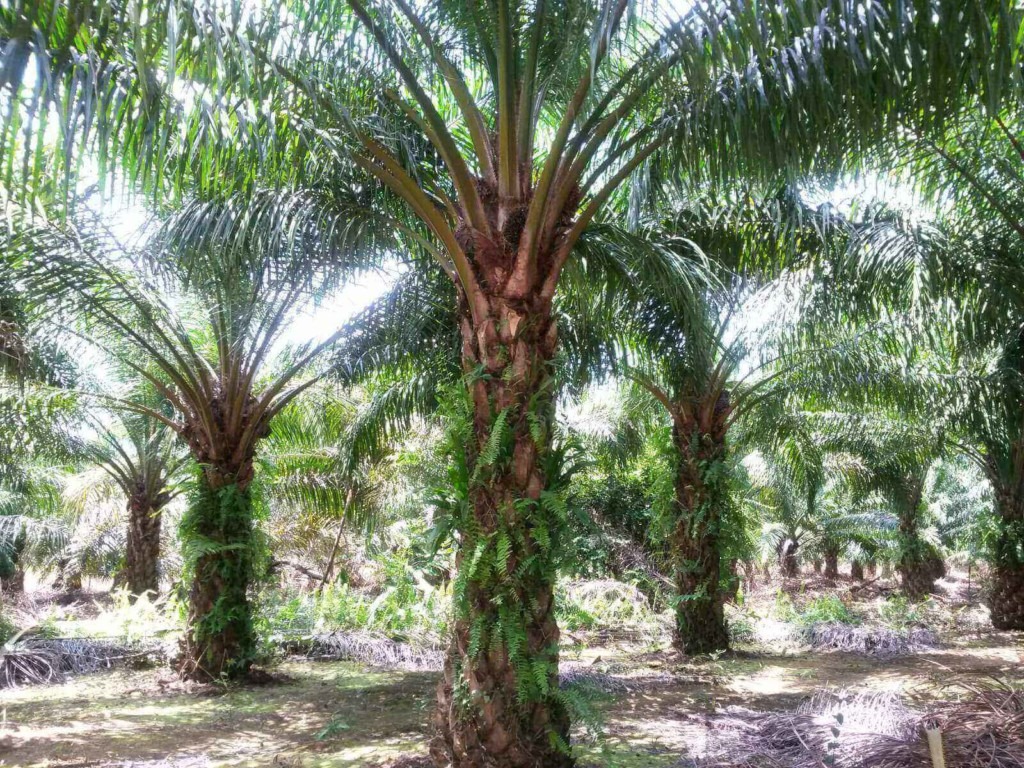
x=897 y=612
x=742 y=628
x=827 y=609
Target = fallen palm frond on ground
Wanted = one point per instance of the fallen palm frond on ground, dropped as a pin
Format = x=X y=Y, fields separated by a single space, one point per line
x=35 y=660
x=879 y=641
x=985 y=729
x=379 y=651
x=611 y=678
x=367 y=648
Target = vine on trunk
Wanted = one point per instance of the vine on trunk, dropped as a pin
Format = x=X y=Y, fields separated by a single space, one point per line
x=702 y=500
x=508 y=561
x=223 y=555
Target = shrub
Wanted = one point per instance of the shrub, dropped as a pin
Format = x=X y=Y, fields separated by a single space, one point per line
x=827 y=609
x=899 y=613
x=606 y=603
x=784 y=609
x=741 y=629
x=406 y=609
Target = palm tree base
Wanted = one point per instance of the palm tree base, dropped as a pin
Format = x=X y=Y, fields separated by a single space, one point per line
x=219 y=640
x=480 y=721
x=918 y=574
x=140 y=573
x=831 y=565
x=701 y=628
x=857 y=570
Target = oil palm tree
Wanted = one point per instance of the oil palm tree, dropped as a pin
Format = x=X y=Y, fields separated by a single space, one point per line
x=492 y=138
x=956 y=271
x=199 y=321
x=692 y=354
x=142 y=460
x=38 y=442
x=323 y=480
x=894 y=463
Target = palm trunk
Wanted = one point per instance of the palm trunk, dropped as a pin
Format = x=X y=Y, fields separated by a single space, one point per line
x=816 y=564
x=857 y=570
x=700 y=496
x=12 y=575
x=13 y=581
x=733 y=590
x=66 y=579
x=787 y=558
x=1006 y=599
x=219 y=640
x=143 y=550
x=920 y=564
x=831 y=562
x=497 y=702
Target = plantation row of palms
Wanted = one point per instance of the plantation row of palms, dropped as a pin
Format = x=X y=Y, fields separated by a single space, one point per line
x=565 y=193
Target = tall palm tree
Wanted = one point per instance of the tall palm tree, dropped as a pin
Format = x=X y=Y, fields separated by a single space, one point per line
x=493 y=138
x=200 y=322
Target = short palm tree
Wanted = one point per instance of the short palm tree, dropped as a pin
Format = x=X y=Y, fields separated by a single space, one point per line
x=895 y=464
x=142 y=460
x=199 y=321
x=323 y=479
x=676 y=332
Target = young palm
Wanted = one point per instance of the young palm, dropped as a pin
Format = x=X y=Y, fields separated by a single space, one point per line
x=200 y=321
x=895 y=464
x=142 y=460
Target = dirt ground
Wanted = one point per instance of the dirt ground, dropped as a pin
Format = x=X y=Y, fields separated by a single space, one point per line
x=341 y=714
x=647 y=704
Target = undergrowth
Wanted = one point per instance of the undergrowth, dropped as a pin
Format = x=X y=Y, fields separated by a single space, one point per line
x=824 y=609
x=606 y=604
x=897 y=612
x=408 y=608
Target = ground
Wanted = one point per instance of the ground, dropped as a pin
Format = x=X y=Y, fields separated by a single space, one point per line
x=647 y=704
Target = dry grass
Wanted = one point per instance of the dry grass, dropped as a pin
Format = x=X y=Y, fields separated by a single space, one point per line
x=368 y=648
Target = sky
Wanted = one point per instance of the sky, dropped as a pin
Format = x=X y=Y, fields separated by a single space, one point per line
x=316 y=323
